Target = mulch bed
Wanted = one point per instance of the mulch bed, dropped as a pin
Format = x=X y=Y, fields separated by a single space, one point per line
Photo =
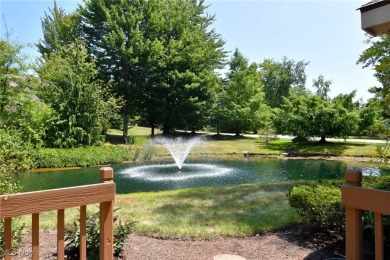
x=293 y=242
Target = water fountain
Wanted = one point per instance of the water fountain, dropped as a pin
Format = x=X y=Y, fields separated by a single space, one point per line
x=178 y=147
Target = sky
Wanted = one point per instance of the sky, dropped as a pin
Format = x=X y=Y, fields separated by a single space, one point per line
x=326 y=34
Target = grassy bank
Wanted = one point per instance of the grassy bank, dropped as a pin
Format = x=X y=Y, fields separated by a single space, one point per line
x=241 y=210
x=117 y=149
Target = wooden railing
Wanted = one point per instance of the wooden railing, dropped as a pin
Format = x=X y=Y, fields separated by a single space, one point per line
x=59 y=199
x=355 y=198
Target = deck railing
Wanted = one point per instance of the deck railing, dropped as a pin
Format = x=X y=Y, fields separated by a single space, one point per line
x=34 y=203
x=355 y=198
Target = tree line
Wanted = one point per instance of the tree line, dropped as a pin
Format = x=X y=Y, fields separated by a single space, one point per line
x=159 y=62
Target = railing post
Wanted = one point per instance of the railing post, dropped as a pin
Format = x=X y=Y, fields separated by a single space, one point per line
x=353 y=216
x=106 y=219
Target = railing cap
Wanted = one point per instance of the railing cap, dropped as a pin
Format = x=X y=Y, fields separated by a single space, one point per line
x=353 y=176
x=106 y=174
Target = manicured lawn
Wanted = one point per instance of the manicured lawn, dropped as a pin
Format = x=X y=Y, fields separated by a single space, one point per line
x=241 y=210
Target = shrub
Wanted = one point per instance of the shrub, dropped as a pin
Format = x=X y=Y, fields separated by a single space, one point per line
x=72 y=235
x=380 y=183
x=320 y=205
x=14 y=157
x=82 y=156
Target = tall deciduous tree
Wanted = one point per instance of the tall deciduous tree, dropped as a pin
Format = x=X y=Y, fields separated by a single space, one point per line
x=21 y=110
x=160 y=54
x=377 y=56
x=280 y=77
x=311 y=115
x=322 y=86
x=242 y=96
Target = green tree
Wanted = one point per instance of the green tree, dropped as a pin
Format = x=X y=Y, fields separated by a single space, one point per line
x=311 y=115
x=160 y=54
x=377 y=56
x=69 y=85
x=12 y=71
x=59 y=29
x=322 y=86
x=242 y=96
x=280 y=77
x=20 y=109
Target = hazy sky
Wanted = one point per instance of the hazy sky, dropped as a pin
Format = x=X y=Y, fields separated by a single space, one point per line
x=325 y=33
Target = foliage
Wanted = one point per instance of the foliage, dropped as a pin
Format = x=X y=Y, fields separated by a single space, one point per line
x=322 y=86
x=310 y=115
x=378 y=57
x=71 y=89
x=279 y=78
x=84 y=156
x=59 y=30
x=380 y=183
x=162 y=60
x=242 y=95
x=14 y=157
x=72 y=235
x=20 y=109
x=320 y=205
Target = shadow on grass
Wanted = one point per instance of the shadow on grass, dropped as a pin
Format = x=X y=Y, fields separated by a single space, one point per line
x=313 y=148
x=222 y=137
x=115 y=139
x=237 y=210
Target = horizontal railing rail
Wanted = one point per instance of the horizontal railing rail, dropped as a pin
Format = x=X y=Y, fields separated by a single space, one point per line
x=356 y=199
x=34 y=203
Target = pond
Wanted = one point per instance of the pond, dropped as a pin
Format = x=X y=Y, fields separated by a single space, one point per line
x=135 y=177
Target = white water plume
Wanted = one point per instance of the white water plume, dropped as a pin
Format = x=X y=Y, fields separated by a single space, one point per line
x=178 y=147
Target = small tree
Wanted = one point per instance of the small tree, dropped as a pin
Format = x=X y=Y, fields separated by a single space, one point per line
x=310 y=115
x=69 y=85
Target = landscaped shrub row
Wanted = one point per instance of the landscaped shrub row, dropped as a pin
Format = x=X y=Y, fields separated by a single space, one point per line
x=84 y=156
x=320 y=204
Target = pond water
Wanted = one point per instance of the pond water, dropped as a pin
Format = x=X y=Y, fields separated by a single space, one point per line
x=135 y=177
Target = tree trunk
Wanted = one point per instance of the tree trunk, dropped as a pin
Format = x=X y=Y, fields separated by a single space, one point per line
x=152 y=131
x=125 y=123
x=323 y=140
x=166 y=129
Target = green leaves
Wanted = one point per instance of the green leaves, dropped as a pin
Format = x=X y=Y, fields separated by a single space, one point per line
x=160 y=54
x=241 y=96
x=71 y=88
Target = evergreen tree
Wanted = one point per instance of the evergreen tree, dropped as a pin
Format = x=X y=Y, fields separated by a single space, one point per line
x=242 y=96
x=69 y=85
x=160 y=54
x=59 y=29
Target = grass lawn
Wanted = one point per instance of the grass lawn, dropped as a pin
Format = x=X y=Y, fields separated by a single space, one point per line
x=206 y=212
